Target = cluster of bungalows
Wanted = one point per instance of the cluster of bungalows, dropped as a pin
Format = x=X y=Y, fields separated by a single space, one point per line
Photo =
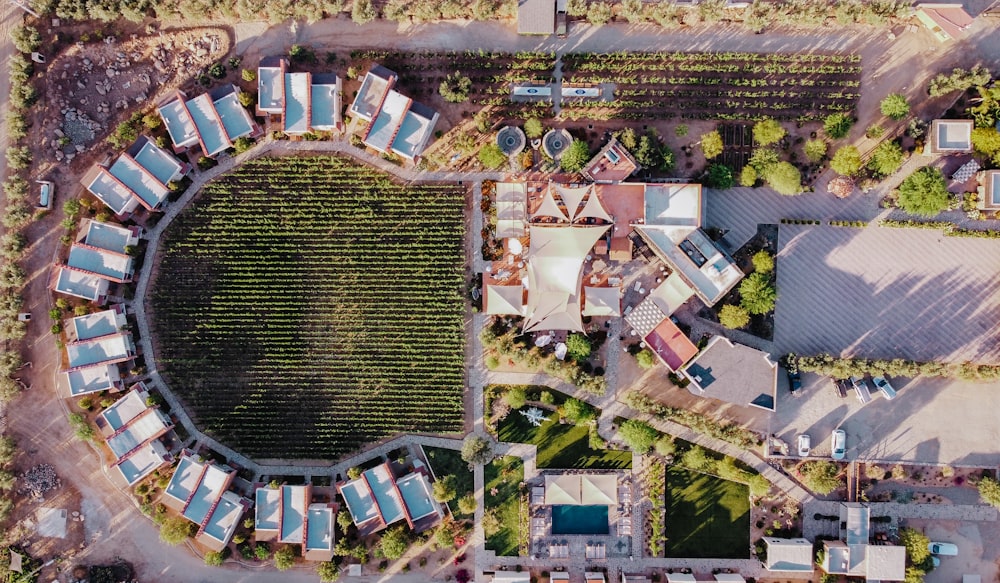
x=199 y=491
x=211 y=121
x=99 y=259
x=378 y=498
x=133 y=430
x=97 y=344
x=140 y=176
x=392 y=122
x=302 y=103
x=286 y=515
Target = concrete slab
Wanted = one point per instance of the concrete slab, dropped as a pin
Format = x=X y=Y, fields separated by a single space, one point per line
x=51 y=522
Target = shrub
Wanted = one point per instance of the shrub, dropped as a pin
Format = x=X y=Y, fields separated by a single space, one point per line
x=515 y=397
x=578 y=412
x=492 y=156
x=875 y=132
x=959 y=80
x=895 y=106
x=665 y=445
x=81 y=428
x=986 y=142
x=719 y=176
x=784 y=178
x=577 y=7
x=814 y=150
x=328 y=571
x=363 y=12
x=599 y=13
x=821 y=477
x=176 y=530
x=847 y=161
x=632 y=10
x=17 y=125
x=578 y=346
x=763 y=261
x=711 y=144
x=533 y=128
x=477 y=450
x=837 y=125
x=467 y=504
x=262 y=552
x=18 y=157
x=242 y=144
x=989 y=491
x=214 y=559
x=394 y=542
x=916 y=543
x=547 y=397
x=217 y=71
x=645 y=358
x=26 y=39
x=444 y=489
x=733 y=317
x=748 y=176
x=768 y=131
x=924 y=192
x=757 y=293
x=248 y=75
x=886 y=159
x=455 y=88
x=284 y=558
x=639 y=435
x=576 y=156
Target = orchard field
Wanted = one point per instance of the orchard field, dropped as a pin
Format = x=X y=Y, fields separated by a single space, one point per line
x=306 y=306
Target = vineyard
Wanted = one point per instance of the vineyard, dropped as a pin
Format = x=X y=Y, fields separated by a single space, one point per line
x=306 y=306
x=720 y=86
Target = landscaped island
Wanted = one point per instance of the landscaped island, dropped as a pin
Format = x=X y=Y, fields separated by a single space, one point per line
x=306 y=306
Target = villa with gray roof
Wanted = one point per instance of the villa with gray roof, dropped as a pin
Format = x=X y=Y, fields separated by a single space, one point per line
x=98 y=259
x=733 y=373
x=211 y=120
x=102 y=374
x=393 y=122
x=132 y=431
x=199 y=491
x=950 y=136
x=853 y=556
x=378 y=499
x=302 y=102
x=138 y=177
x=286 y=515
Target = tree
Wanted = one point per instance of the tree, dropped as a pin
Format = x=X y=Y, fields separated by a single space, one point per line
x=916 y=543
x=284 y=558
x=959 y=80
x=924 y=192
x=599 y=13
x=492 y=156
x=515 y=397
x=986 y=142
x=719 y=176
x=577 y=7
x=477 y=450
x=821 y=477
x=18 y=157
x=632 y=10
x=846 y=161
x=455 y=88
x=26 y=39
x=242 y=144
x=344 y=521
x=214 y=558
x=836 y=125
x=757 y=293
x=328 y=571
x=784 y=178
x=363 y=12
x=768 y=131
x=578 y=412
x=533 y=128
x=650 y=153
x=175 y=530
x=763 y=262
x=467 y=504
x=748 y=176
x=733 y=317
x=575 y=157
x=17 y=125
x=886 y=159
x=895 y=106
x=644 y=358
x=711 y=144
x=444 y=489
x=394 y=542
x=665 y=445
x=639 y=435
x=578 y=346
x=989 y=491
x=814 y=150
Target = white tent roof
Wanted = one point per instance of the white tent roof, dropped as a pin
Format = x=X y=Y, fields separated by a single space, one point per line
x=505 y=300
x=602 y=301
x=572 y=197
x=564 y=489
x=555 y=273
x=549 y=208
x=512 y=192
x=507 y=228
x=671 y=294
x=599 y=489
x=594 y=209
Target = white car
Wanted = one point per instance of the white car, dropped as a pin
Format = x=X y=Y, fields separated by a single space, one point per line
x=804 y=444
x=838 y=444
x=882 y=384
x=944 y=549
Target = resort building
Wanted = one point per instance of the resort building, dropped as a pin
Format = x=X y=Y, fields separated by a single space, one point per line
x=199 y=491
x=132 y=431
x=377 y=499
x=302 y=102
x=99 y=259
x=211 y=120
x=733 y=373
x=392 y=122
x=139 y=176
x=946 y=21
x=103 y=376
x=789 y=555
x=285 y=515
x=716 y=578
x=950 y=136
x=612 y=164
x=853 y=556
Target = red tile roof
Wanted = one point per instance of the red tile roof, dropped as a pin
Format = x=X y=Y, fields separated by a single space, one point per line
x=670 y=344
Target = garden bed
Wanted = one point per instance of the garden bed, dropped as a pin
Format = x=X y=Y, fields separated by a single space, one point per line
x=448 y=462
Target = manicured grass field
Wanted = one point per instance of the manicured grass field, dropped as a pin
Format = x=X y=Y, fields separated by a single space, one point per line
x=505 y=474
x=559 y=445
x=305 y=306
x=707 y=517
x=448 y=462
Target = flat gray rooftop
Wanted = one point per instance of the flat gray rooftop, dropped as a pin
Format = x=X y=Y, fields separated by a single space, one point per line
x=885 y=292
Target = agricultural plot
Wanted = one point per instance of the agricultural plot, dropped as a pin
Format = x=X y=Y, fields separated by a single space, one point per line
x=306 y=306
x=720 y=86
x=491 y=73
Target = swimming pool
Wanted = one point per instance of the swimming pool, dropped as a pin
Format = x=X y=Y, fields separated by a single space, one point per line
x=580 y=520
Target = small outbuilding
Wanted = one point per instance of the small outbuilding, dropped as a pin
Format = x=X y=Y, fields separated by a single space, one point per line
x=536 y=17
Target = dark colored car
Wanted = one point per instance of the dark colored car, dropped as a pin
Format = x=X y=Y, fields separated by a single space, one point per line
x=841 y=386
x=794 y=382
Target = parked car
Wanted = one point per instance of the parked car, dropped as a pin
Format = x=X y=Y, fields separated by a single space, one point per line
x=882 y=384
x=861 y=389
x=804 y=444
x=46 y=190
x=840 y=385
x=794 y=382
x=943 y=549
x=24 y=317
x=838 y=444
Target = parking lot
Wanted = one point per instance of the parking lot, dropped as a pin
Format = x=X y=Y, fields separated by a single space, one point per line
x=930 y=421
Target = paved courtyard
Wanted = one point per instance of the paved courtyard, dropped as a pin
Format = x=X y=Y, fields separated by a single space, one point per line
x=885 y=292
x=931 y=420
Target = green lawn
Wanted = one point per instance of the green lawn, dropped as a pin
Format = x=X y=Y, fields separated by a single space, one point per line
x=504 y=474
x=446 y=462
x=561 y=446
x=707 y=517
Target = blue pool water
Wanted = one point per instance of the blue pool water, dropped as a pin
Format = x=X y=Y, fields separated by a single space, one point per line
x=580 y=520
